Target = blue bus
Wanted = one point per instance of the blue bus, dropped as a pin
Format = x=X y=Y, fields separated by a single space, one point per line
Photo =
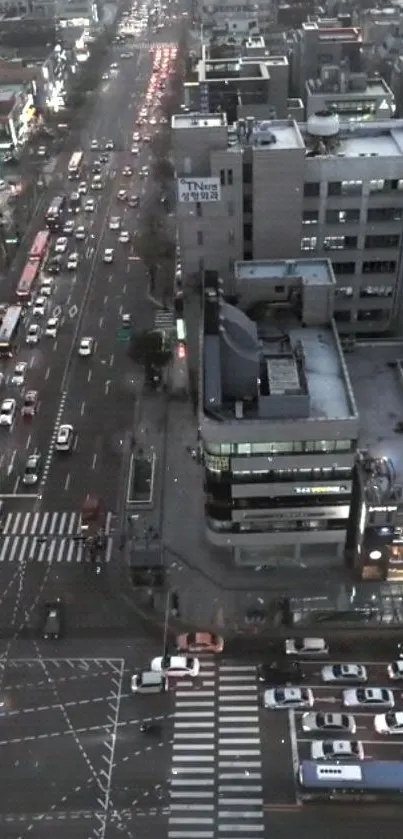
x=366 y=780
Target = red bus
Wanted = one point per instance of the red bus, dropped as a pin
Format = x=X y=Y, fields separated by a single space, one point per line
x=27 y=280
x=40 y=246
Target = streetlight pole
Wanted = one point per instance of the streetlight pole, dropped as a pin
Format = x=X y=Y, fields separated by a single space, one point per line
x=166 y=622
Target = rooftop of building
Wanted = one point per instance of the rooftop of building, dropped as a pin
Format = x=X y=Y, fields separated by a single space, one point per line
x=262 y=361
x=378 y=389
x=330 y=30
x=229 y=68
x=356 y=85
x=9 y=91
x=354 y=139
x=279 y=134
x=196 y=120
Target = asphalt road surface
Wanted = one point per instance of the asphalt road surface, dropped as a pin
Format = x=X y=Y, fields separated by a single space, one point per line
x=40 y=556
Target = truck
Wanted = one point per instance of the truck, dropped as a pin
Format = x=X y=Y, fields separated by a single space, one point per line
x=92 y=518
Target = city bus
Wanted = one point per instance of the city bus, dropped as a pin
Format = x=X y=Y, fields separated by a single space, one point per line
x=40 y=247
x=9 y=329
x=75 y=165
x=56 y=213
x=27 y=280
x=367 y=780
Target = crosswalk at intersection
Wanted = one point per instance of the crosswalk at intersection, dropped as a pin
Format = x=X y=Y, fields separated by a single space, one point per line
x=46 y=537
x=216 y=779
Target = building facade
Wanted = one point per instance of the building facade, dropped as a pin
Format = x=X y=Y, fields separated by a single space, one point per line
x=278 y=421
x=275 y=190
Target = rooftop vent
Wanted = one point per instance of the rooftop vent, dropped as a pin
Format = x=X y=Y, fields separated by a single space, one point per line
x=323 y=124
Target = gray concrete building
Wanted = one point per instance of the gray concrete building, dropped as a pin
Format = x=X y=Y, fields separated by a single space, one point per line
x=278 y=421
x=276 y=190
x=323 y=42
x=353 y=96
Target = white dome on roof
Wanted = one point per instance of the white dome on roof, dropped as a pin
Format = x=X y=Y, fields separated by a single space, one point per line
x=323 y=124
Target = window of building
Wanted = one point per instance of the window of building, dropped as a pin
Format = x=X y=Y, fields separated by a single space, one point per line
x=342 y=216
x=379 y=266
x=231 y=208
x=384 y=214
x=376 y=291
x=377 y=185
x=222 y=177
x=343 y=267
x=344 y=291
x=247 y=232
x=365 y=315
x=231 y=237
x=342 y=316
x=339 y=243
x=394 y=184
x=334 y=188
x=351 y=187
x=247 y=204
x=312 y=189
x=279 y=448
x=310 y=217
x=198 y=209
x=279 y=289
x=383 y=241
x=201 y=264
x=230 y=177
x=199 y=237
x=309 y=243
x=247 y=173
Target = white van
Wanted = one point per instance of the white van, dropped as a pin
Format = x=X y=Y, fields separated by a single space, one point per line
x=149 y=682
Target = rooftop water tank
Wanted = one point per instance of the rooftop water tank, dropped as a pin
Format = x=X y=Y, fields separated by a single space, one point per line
x=323 y=124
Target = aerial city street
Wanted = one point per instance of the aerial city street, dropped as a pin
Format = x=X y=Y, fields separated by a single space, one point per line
x=118 y=719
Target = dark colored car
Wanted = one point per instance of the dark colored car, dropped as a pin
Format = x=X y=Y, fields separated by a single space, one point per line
x=54 y=266
x=53 y=619
x=278 y=674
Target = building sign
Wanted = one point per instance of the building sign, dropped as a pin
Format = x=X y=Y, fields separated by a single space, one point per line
x=200 y=191
x=341 y=512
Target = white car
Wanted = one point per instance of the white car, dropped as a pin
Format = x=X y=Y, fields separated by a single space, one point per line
x=395 y=670
x=94 y=143
x=89 y=205
x=61 y=244
x=64 y=438
x=18 y=377
x=337 y=750
x=390 y=723
x=135 y=150
x=306 y=646
x=68 y=227
x=372 y=697
x=51 y=328
x=32 y=469
x=114 y=223
x=33 y=334
x=86 y=347
x=82 y=188
x=144 y=172
x=319 y=721
x=344 y=673
x=72 y=262
x=124 y=237
x=283 y=698
x=7 y=412
x=122 y=195
x=97 y=182
x=80 y=232
x=176 y=665
x=46 y=287
x=108 y=255
x=136 y=137
x=39 y=306
x=127 y=171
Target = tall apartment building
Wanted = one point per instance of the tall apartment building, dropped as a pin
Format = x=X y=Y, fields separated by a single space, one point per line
x=277 y=418
x=276 y=190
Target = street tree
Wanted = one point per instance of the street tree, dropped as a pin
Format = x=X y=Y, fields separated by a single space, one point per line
x=153 y=244
x=149 y=350
x=162 y=170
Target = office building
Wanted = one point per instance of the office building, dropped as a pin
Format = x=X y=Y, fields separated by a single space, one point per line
x=77 y=10
x=278 y=421
x=276 y=190
x=323 y=42
x=353 y=96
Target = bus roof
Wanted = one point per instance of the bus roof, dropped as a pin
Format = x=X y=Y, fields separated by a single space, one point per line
x=75 y=159
x=9 y=323
x=373 y=774
x=40 y=242
x=28 y=277
x=56 y=202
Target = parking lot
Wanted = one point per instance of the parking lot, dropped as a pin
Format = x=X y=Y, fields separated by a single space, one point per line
x=285 y=743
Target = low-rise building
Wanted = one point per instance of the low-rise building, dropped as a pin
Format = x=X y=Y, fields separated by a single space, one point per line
x=323 y=42
x=278 y=421
x=353 y=96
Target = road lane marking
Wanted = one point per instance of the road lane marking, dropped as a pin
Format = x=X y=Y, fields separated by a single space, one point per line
x=47 y=374
x=105 y=299
x=107 y=385
x=89 y=377
x=82 y=408
x=16 y=485
x=67 y=482
x=28 y=443
x=100 y=322
x=94 y=461
x=111 y=360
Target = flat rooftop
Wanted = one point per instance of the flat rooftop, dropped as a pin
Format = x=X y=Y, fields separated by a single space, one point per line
x=375 y=139
x=379 y=397
x=214 y=70
x=278 y=134
x=312 y=270
x=374 y=88
x=194 y=120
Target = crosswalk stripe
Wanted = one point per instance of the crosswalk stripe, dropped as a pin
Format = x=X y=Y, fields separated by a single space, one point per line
x=46 y=537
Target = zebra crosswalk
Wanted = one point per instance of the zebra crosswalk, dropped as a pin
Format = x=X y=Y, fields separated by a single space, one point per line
x=46 y=537
x=216 y=779
x=164 y=319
